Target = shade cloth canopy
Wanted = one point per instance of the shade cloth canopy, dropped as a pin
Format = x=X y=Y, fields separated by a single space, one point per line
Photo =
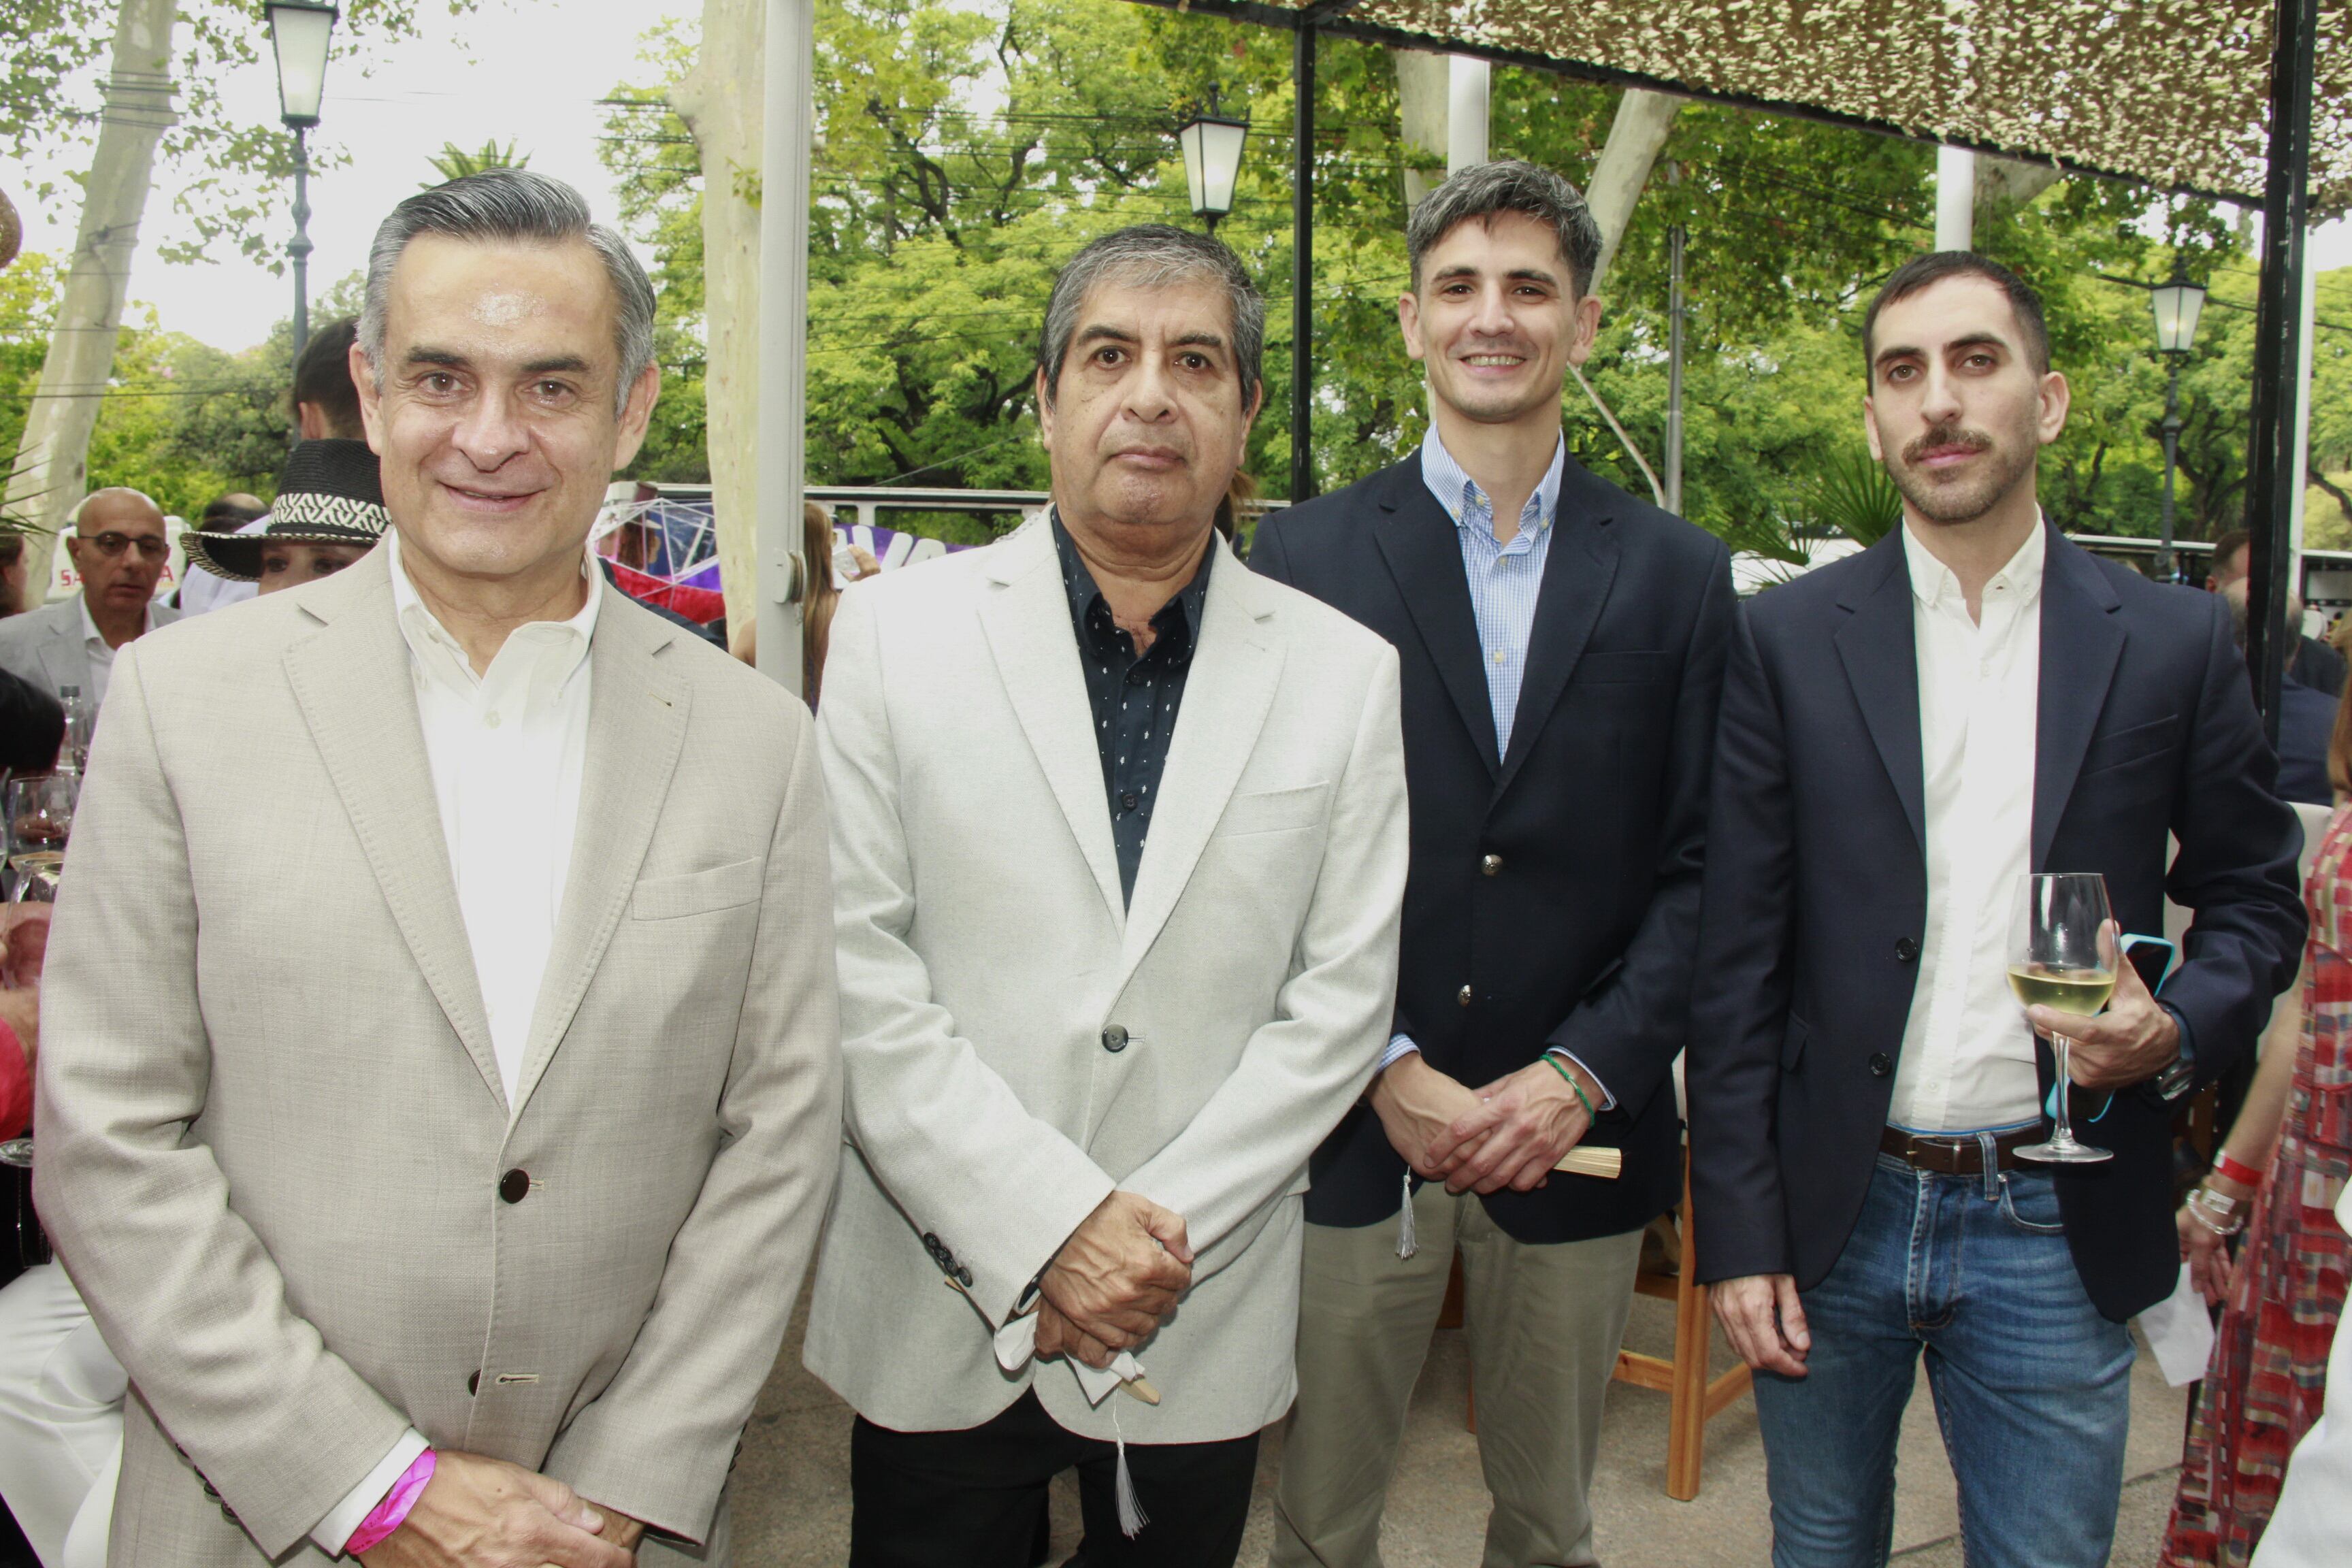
x=2173 y=92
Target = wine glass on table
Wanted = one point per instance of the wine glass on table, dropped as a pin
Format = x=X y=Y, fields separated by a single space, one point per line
x=2062 y=954
x=40 y=811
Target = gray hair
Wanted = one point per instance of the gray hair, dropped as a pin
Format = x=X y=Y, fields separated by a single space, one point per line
x=512 y=205
x=1476 y=193
x=1153 y=256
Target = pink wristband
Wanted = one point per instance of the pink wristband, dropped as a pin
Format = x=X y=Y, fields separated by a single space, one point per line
x=388 y=1515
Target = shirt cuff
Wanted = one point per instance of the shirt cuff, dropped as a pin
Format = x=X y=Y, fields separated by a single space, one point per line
x=1400 y=1047
x=331 y=1532
x=1607 y=1100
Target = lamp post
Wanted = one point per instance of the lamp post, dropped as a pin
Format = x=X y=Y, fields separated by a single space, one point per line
x=299 y=31
x=1212 y=160
x=2177 y=305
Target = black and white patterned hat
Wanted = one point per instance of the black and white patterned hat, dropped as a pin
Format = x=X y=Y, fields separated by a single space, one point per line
x=331 y=492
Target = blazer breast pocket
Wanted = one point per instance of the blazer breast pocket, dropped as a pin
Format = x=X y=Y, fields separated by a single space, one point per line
x=697 y=893
x=2125 y=747
x=1274 y=811
x=1620 y=669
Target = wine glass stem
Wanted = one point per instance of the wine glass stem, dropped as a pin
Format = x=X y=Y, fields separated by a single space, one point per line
x=2065 y=1133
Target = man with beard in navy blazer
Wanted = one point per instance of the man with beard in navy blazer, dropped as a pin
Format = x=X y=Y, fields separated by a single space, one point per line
x=1906 y=734
x=1561 y=648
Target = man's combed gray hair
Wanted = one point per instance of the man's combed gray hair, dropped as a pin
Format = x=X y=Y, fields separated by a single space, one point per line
x=1507 y=185
x=1154 y=256
x=509 y=205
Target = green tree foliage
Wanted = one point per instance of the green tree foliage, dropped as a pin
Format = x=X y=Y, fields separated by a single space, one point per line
x=455 y=163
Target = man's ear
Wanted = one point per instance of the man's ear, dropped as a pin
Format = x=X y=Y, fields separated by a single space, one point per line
x=363 y=382
x=1045 y=409
x=1870 y=430
x=1409 y=323
x=1586 y=329
x=2057 y=397
x=636 y=414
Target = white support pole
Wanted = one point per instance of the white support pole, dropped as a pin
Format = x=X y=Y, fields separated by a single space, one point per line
x=1467 y=82
x=2306 y=324
x=1956 y=198
x=783 y=333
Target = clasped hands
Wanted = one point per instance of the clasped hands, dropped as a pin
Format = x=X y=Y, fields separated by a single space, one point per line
x=1119 y=1273
x=480 y=1513
x=1508 y=1134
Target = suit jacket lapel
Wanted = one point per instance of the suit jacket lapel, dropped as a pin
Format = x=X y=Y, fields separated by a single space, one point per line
x=2081 y=644
x=1578 y=572
x=637 y=714
x=62 y=652
x=1424 y=552
x=1027 y=623
x=1880 y=651
x=353 y=683
x=1227 y=695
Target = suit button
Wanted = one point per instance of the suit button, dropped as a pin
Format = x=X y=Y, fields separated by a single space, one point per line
x=1905 y=950
x=1881 y=1064
x=963 y=1277
x=1492 y=865
x=1114 y=1039
x=515 y=1184
x=474 y=1381
x=1463 y=996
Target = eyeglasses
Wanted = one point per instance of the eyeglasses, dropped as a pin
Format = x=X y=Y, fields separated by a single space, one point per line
x=150 y=547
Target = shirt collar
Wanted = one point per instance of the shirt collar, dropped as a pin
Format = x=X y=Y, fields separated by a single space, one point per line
x=559 y=647
x=1078 y=582
x=1931 y=579
x=89 y=631
x=1469 y=506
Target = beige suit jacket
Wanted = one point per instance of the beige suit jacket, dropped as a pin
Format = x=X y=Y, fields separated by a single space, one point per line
x=1019 y=1039
x=272 y=1129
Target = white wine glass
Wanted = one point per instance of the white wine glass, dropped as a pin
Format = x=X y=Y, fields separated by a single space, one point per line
x=40 y=811
x=2062 y=954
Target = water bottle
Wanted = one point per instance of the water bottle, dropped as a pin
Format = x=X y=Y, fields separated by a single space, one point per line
x=80 y=718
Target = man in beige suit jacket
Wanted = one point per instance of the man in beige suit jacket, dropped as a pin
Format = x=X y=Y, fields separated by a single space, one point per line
x=1120 y=838
x=440 y=1070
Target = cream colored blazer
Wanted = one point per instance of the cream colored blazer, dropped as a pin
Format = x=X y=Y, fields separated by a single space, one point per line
x=272 y=1142
x=1018 y=1041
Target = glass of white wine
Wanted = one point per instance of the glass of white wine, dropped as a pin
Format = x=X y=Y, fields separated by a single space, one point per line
x=40 y=811
x=2062 y=954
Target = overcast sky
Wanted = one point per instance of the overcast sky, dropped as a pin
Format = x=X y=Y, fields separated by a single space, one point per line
x=529 y=71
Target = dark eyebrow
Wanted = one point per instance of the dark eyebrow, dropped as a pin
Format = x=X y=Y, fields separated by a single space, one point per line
x=1983 y=340
x=436 y=356
x=1102 y=331
x=1200 y=340
x=571 y=365
x=1899 y=351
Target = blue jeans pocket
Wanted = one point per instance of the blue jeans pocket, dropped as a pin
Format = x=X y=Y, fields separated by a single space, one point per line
x=2030 y=1203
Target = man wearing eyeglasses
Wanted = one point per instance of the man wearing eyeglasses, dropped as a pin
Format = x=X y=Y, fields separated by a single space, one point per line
x=119 y=549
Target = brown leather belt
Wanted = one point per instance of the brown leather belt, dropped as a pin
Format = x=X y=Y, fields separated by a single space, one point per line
x=1956 y=1154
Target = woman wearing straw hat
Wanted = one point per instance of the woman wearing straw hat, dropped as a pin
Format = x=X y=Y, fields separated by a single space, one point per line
x=329 y=512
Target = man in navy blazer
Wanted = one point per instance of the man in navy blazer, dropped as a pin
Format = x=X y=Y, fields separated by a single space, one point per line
x=1905 y=733
x=1561 y=648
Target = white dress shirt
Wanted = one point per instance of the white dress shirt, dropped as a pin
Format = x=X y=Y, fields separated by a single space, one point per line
x=506 y=748
x=102 y=658
x=1968 y=1058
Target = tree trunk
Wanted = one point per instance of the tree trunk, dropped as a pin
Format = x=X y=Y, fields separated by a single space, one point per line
x=52 y=468
x=1635 y=137
x=723 y=102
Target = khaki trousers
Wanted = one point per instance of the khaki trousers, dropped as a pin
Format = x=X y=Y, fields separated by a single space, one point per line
x=1545 y=1323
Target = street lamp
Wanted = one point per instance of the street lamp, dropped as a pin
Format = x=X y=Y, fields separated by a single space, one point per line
x=1212 y=160
x=299 y=33
x=2177 y=305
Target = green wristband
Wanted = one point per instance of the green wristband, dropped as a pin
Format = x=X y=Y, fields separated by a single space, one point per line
x=1584 y=1099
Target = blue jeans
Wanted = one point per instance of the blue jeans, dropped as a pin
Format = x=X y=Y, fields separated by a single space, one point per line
x=2033 y=1387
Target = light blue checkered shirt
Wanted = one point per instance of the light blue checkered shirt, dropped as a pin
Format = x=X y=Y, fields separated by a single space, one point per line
x=1505 y=580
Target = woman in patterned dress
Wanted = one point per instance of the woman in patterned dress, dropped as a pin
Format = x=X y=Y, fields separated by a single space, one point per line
x=2268 y=1376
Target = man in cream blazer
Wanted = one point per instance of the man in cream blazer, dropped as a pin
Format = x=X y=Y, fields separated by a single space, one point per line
x=1119 y=846
x=440 y=1079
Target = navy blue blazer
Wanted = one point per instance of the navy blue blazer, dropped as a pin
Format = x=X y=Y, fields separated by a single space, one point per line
x=1817 y=894
x=1553 y=893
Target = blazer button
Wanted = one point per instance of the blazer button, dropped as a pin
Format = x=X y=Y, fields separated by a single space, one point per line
x=474 y=1381
x=1905 y=950
x=1492 y=865
x=1881 y=1064
x=515 y=1185
x=1464 y=996
x=1114 y=1039
x=963 y=1276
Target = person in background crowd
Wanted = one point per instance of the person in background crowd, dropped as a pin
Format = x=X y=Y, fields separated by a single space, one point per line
x=549 y=1038
x=32 y=726
x=203 y=592
x=329 y=515
x=2283 y=1160
x=1562 y=647
x=1119 y=837
x=2318 y=664
x=817 y=604
x=325 y=400
x=16 y=575
x=2313 y=1516
x=1906 y=735
x=2307 y=719
x=119 y=548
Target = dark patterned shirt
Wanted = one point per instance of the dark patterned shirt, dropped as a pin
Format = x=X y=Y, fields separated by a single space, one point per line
x=1135 y=696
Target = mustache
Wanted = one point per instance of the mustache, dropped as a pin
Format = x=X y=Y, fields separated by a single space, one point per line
x=1945 y=435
